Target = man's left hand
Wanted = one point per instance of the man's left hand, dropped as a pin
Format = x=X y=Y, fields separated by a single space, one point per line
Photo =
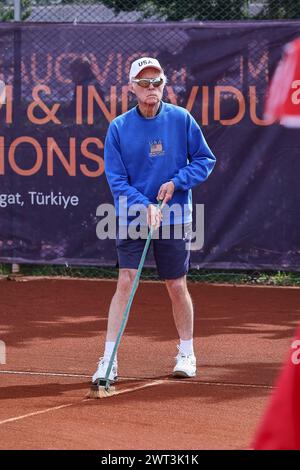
x=165 y=193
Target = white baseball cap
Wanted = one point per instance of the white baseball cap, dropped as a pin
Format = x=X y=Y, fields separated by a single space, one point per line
x=140 y=64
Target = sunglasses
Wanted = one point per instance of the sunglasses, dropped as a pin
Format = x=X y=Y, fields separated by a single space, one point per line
x=146 y=82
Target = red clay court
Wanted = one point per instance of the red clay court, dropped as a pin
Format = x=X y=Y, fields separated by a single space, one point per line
x=54 y=332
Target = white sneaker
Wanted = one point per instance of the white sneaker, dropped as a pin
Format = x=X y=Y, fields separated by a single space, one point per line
x=185 y=365
x=102 y=368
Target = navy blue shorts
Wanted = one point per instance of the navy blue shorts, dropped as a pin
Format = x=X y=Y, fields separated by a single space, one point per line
x=171 y=251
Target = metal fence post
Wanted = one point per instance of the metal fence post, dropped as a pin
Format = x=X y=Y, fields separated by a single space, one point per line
x=15 y=268
x=17 y=10
x=17 y=17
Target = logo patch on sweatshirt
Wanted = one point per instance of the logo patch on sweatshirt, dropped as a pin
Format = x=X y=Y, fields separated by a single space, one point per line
x=156 y=148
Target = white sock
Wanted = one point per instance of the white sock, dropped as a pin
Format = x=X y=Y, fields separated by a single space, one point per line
x=109 y=347
x=187 y=346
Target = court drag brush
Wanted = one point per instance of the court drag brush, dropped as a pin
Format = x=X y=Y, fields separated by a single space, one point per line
x=101 y=389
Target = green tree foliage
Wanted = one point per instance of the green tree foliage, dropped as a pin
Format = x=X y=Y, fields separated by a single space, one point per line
x=7 y=10
x=280 y=9
x=176 y=10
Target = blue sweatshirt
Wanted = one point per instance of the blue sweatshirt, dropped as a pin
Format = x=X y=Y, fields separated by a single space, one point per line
x=141 y=154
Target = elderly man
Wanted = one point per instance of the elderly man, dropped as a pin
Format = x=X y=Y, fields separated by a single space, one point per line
x=155 y=151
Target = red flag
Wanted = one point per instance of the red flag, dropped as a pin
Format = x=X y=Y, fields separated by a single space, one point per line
x=280 y=428
x=283 y=100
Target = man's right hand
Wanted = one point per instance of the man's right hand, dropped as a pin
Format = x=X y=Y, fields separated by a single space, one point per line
x=154 y=216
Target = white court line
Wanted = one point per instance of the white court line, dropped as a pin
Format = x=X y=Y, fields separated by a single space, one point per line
x=166 y=380
x=28 y=415
x=138 y=387
x=66 y=405
x=221 y=384
x=44 y=374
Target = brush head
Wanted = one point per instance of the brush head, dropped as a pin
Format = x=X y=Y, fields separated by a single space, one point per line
x=101 y=389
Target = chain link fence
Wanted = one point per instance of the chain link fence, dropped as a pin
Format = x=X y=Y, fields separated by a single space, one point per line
x=270 y=278
x=116 y=11
x=99 y=11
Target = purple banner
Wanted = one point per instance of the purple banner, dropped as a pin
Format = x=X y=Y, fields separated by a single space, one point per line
x=60 y=87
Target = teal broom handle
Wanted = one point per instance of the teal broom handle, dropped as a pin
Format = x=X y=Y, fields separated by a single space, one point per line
x=129 y=303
